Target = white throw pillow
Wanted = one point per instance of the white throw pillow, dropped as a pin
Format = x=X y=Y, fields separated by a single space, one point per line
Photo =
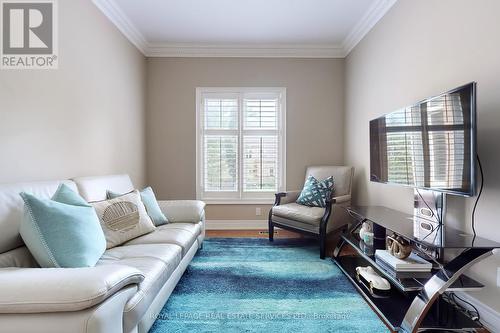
x=123 y=218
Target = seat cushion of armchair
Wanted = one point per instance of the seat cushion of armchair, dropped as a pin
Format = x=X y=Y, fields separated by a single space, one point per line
x=181 y=234
x=155 y=261
x=305 y=214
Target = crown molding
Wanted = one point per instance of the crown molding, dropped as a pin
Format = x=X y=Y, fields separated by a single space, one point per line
x=245 y=50
x=113 y=12
x=367 y=22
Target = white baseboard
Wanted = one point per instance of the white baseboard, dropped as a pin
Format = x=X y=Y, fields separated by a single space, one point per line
x=490 y=318
x=236 y=224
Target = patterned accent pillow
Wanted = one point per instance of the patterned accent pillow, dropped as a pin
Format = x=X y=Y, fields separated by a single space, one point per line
x=315 y=193
x=149 y=200
x=123 y=218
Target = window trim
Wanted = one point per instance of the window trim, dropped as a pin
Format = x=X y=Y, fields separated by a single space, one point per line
x=262 y=197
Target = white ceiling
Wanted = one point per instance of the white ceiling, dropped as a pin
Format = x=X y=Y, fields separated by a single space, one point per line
x=301 y=28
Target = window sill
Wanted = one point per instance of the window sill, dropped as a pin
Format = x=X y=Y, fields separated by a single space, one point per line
x=238 y=202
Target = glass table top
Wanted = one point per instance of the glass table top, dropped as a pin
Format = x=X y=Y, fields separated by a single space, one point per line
x=420 y=230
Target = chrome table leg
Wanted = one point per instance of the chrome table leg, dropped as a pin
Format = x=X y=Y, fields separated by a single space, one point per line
x=438 y=284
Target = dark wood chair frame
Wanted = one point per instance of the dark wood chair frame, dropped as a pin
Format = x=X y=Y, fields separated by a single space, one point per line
x=322 y=226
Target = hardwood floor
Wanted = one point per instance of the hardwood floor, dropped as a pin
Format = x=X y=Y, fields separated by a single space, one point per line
x=278 y=233
x=251 y=234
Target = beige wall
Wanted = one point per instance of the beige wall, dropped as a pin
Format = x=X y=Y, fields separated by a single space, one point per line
x=236 y=212
x=421 y=48
x=314 y=117
x=85 y=118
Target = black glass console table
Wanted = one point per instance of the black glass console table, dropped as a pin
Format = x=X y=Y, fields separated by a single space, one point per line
x=414 y=303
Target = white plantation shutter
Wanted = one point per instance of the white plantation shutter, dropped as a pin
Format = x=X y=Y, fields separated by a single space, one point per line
x=221 y=113
x=240 y=143
x=261 y=113
x=221 y=163
x=260 y=163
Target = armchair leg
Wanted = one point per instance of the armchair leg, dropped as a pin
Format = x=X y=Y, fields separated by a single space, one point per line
x=322 y=246
x=322 y=240
x=271 y=230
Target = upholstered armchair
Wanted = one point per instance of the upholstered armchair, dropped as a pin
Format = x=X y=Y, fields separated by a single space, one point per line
x=317 y=221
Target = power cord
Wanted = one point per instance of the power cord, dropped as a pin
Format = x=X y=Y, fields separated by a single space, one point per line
x=473 y=215
x=473 y=218
x=430 y=233
x=454 y=299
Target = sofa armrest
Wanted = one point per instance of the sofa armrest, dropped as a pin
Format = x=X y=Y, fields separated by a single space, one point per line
x=183 y=210
x=37 y=290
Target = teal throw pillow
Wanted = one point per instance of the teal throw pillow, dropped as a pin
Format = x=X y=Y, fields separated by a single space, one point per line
x=315 y=193
x=63 y=231
x=149 y=200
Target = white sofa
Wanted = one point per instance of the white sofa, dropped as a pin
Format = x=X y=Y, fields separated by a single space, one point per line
x=124 y=292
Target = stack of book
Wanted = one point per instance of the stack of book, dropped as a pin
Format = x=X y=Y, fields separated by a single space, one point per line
x=413 y=266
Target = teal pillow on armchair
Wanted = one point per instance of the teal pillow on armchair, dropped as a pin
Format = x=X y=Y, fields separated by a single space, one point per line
x=315 y=193
x=63 y=231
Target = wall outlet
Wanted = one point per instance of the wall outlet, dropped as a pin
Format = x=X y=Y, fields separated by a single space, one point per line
x=258 y=211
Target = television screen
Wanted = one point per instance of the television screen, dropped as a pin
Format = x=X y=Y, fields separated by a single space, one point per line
x=429 y=145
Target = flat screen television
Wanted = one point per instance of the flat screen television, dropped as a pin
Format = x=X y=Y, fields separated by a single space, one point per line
x=429 y=145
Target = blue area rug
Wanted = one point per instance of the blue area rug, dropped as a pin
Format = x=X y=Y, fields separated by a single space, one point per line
x=252 y=285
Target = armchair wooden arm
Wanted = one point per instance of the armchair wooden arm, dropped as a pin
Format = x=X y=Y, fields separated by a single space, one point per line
x=282 y=198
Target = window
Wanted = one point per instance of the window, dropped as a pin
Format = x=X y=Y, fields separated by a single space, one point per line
x=240 y=144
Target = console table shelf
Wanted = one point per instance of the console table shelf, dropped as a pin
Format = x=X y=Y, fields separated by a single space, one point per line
x=393 y=309
x=404 y=225
x=407 y=284
x=414 y=303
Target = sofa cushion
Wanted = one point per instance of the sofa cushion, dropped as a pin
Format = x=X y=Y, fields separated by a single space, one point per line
x=183 y=235
x=156 y=262
x=183 y=210
x=294 y=211
x=12 y=208
x=94 y=188
x=171 y=254
x=149 y=200
x=123 y=218
x=20 y=257
x=63 y=231
x=187 y=226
